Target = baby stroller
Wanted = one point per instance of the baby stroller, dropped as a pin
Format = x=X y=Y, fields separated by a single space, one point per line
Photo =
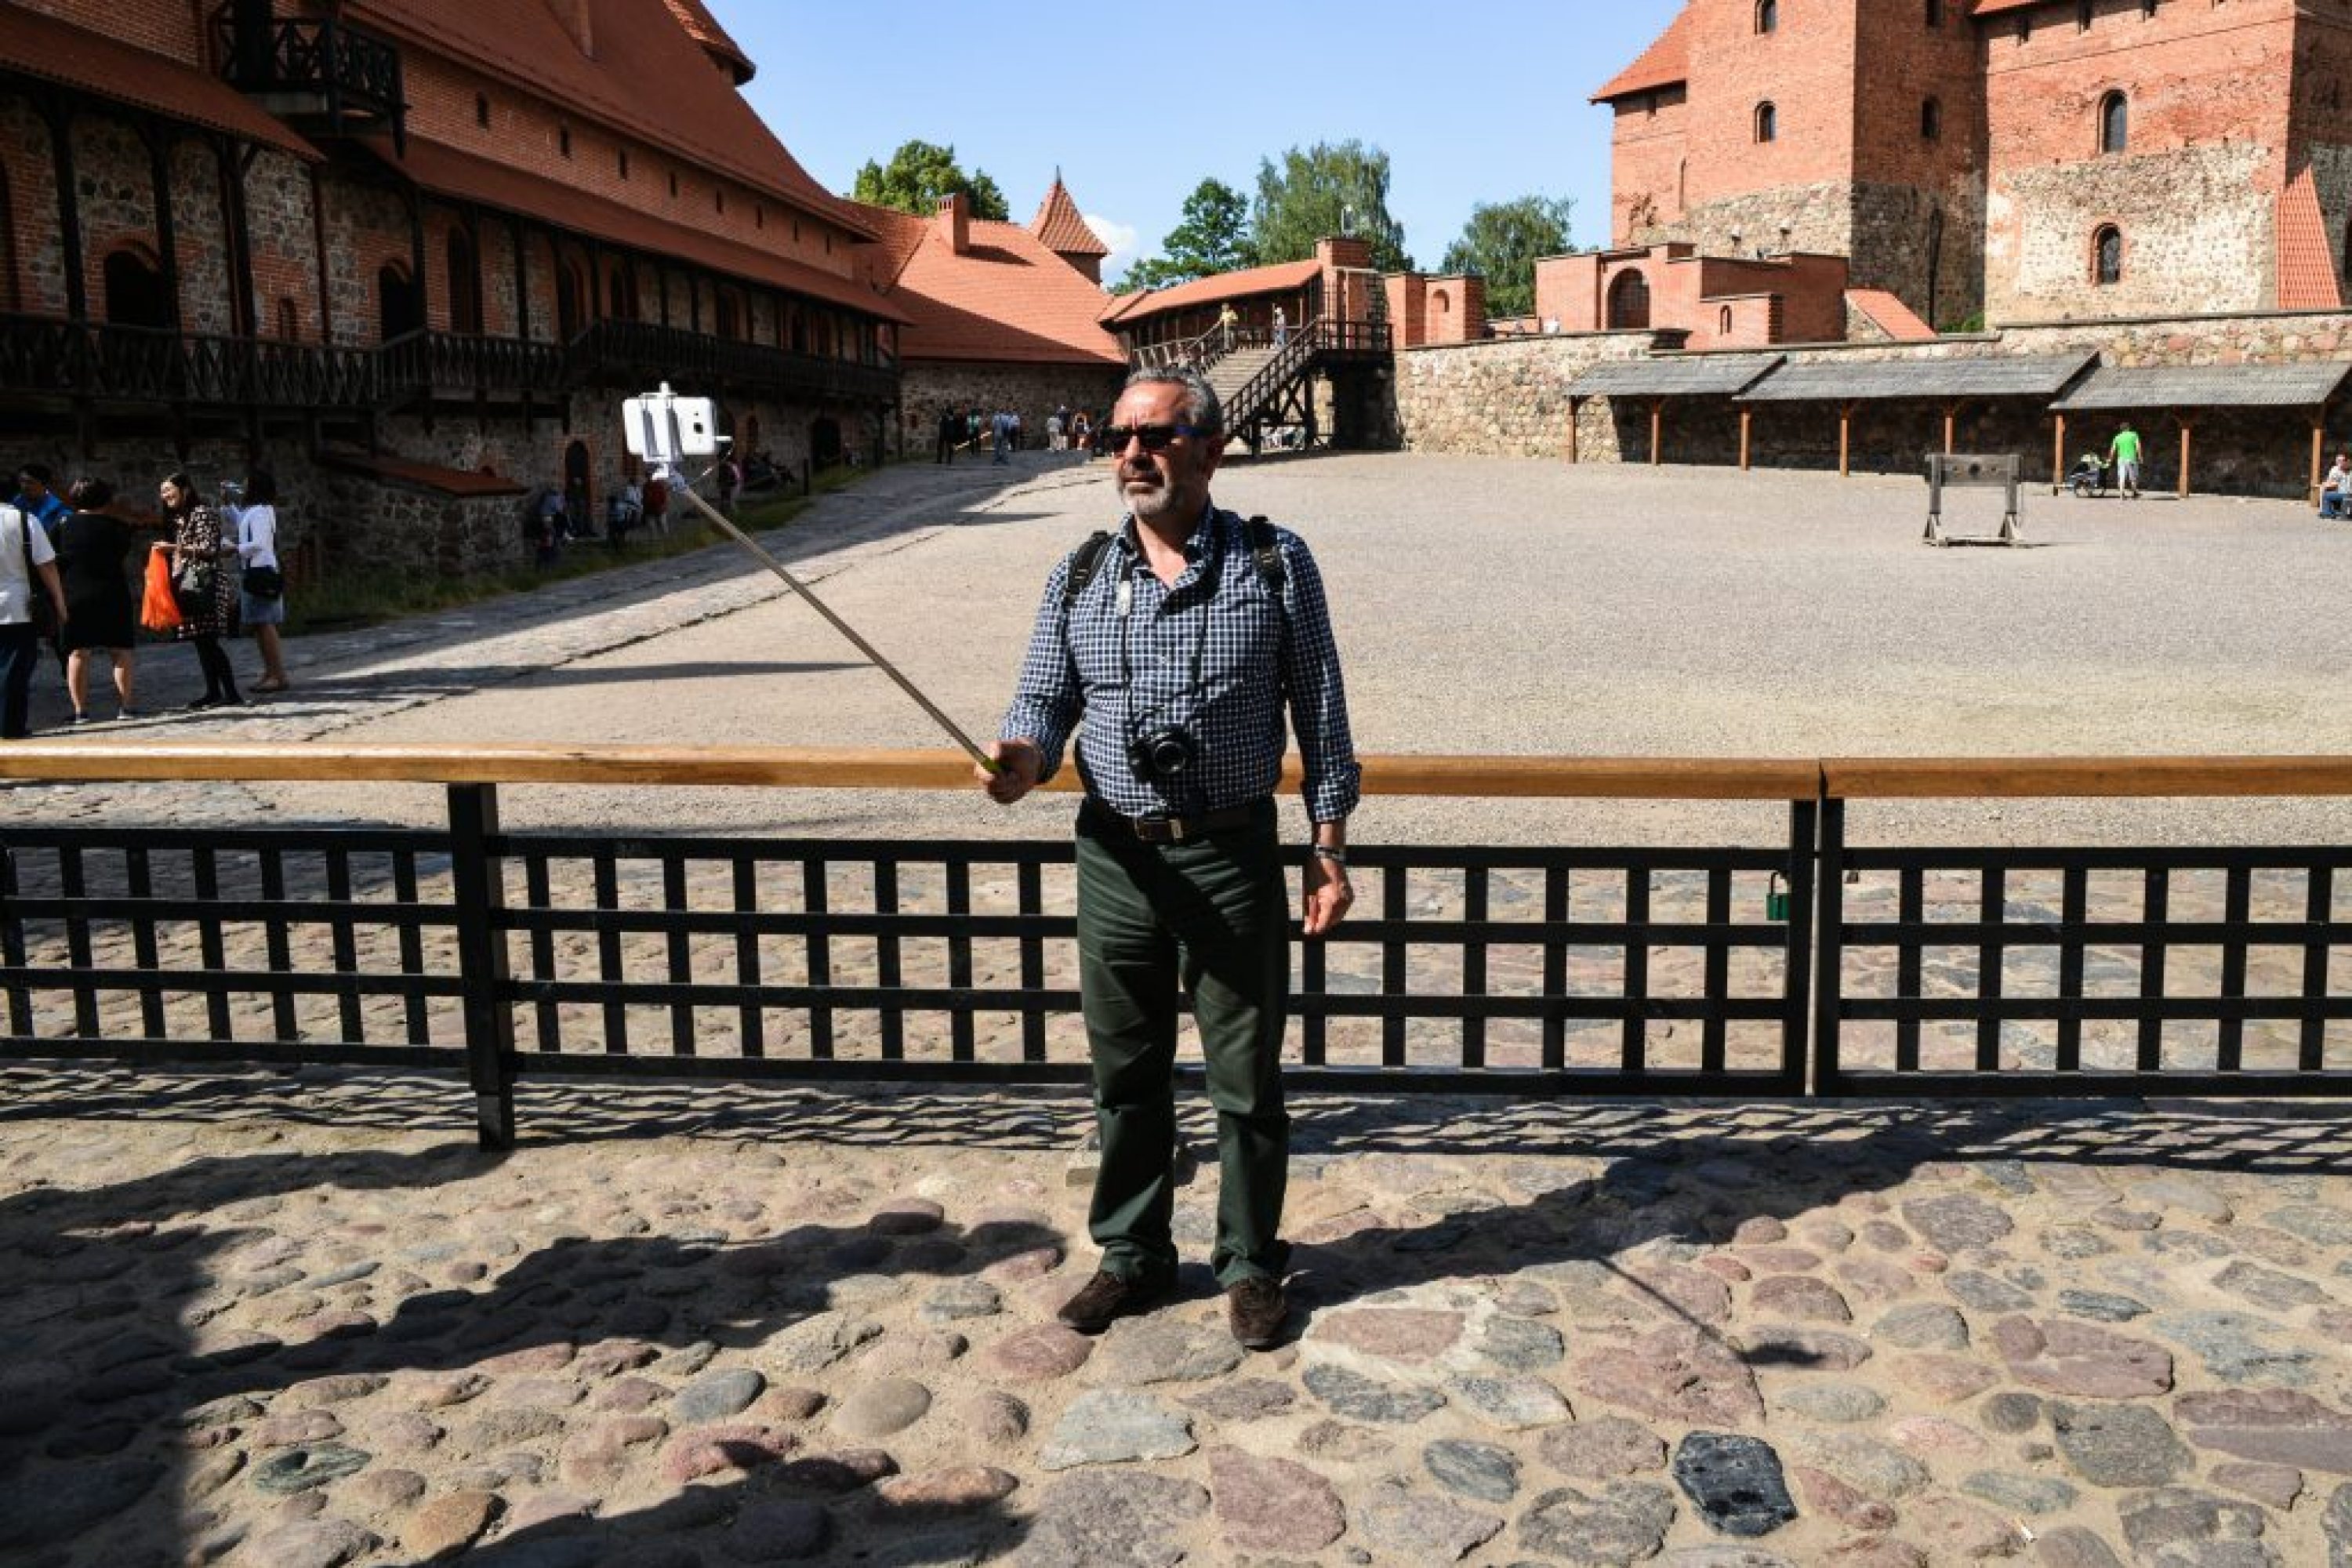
x=2088 y=477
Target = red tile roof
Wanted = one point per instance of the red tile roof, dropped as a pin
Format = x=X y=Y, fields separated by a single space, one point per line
x=1279 y=278
x=642 y=57
x=1664 y=63
x=1060 y=225
x=58 y=51
x=704 y=29
x=1890 y=315
x=2306 y=268
x=1008 y=297
x=449 y=173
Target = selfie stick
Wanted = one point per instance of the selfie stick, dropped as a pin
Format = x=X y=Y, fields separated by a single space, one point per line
x=872 y=654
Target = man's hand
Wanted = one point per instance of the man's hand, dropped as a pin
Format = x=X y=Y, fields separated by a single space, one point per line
x=1018 y=764
x=1328 y=897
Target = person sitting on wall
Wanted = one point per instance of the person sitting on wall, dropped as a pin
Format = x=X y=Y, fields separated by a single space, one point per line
x=2335 y=493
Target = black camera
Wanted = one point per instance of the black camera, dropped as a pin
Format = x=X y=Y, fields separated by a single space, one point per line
x=1166 y=754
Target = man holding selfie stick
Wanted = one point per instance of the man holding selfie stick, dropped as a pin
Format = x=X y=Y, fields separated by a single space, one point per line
x=1180 y=640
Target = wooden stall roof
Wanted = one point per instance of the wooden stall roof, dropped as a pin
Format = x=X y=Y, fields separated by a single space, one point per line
x=1700 y=375
x=2207 y=386
x=1865 y=381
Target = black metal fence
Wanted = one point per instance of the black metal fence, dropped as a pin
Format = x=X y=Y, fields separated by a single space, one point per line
x=1809 y=966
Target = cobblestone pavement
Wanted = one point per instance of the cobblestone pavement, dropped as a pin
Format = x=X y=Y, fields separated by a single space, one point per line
x=299 y=1321
x=295 y=1319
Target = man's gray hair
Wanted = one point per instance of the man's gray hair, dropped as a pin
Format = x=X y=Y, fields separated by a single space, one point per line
x=1202 y=409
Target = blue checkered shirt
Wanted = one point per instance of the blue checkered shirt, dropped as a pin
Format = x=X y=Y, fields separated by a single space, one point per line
x=1258 y=656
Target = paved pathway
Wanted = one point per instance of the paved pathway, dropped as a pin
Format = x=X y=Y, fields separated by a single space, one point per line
x=296 y=1321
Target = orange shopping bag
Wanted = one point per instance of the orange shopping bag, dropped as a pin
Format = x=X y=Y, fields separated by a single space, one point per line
x=160 y=610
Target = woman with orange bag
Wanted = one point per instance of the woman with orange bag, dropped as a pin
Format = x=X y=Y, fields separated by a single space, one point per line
x=206 y=594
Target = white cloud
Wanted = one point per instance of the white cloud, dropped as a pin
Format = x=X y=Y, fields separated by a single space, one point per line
x=1121 y=238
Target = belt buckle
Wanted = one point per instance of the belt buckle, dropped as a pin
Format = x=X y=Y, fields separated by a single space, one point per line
x=1160 y=829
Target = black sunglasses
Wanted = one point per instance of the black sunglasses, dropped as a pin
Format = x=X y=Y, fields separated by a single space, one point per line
x=1154 y=437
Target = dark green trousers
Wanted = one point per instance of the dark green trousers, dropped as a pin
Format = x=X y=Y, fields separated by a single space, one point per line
x=1213 y=915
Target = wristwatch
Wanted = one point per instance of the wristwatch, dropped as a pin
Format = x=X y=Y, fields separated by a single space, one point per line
x=1338 y=857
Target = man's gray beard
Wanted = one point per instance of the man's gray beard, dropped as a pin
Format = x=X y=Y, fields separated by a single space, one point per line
x=1150 y=505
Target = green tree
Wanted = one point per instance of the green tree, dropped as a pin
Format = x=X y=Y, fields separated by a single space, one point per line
x=1323 y=190
x=1214 y=236
x=920 y=174
x=1501 y=243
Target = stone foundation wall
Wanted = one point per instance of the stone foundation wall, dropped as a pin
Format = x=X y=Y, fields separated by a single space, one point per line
x=2197 y=227
x=1506 y=397
x=1034 y=392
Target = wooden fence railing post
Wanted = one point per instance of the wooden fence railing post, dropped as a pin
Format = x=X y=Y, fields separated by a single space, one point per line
x=479 y=891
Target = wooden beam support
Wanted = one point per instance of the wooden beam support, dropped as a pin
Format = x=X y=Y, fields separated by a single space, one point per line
x=1845 y=445
x=1745 y=415
x=1657 y=430
x=2057 y=452
x=1574 y=405
x=1951 y=418
x=2318 y=445
x=2182 y=488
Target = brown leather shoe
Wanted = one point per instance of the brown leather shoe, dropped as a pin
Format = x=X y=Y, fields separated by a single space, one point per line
x=1106 y=1297
x=1255 y=1307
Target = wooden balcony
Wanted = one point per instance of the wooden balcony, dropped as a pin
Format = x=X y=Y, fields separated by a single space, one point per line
x=320 y=75
x=638 y=355
x=84 y=362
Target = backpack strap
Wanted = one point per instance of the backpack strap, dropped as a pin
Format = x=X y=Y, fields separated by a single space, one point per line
x=1085 y=561
x=1268 y=554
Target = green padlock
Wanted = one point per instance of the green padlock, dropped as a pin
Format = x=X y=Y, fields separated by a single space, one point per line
x=1776 y=897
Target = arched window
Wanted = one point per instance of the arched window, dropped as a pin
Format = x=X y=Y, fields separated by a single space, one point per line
x=1628 y=301
x=399 y=303
x=2114 y=122
x=1931 y=120
x=135 y=296
x=2107 y=255
x=570 y=307
x=1767 y=122
x=1722 y=322
x=1768 y=16
x=465 y=285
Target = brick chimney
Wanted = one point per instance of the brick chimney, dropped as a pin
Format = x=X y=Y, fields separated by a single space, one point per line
x=955 y=222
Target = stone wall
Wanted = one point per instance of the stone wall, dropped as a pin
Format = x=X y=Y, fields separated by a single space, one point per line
x=36 y=281
x=2198 y=233
x=1034 y=392
x=1507 y=397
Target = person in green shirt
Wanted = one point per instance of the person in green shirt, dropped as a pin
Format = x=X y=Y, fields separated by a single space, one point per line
x=2124 y=453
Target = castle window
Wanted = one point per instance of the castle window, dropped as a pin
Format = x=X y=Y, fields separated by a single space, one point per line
x=2081 y=16
x=2107 y=251
x=1767 y=122
x=1768 y=16
x=1931 y=120
x=673 y=182
x=1934 y=13
x=2115 y=124
x=1628 y=301
x=482 y=110
x=624 y=156
x=564 y=139
x=719 y=198
x=1722 y=322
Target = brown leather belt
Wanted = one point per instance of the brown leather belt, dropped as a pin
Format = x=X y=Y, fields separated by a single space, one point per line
x=1175 y=829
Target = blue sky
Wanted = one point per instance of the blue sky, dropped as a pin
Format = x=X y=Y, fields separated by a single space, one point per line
x=1136 y=107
